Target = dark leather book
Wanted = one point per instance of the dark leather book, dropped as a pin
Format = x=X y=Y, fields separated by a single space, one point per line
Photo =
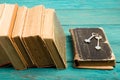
x=92 y=49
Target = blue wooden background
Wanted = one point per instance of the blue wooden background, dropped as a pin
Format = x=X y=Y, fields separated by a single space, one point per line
x=72 y=14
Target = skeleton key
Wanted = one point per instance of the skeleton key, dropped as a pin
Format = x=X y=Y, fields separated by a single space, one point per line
x=89 y=39
x=98 y=47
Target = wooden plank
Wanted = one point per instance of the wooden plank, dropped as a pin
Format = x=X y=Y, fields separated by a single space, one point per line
x=86 y=17
x=112 y=33
x=69 y=4
x=68 y=74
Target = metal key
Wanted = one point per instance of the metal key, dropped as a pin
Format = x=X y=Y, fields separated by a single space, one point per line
x=98 y=47
x=88 y=40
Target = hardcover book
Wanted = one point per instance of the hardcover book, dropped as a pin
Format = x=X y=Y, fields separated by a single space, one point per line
x=92 y=49
x=16 y=36
x=54 y=37
x=32 y=40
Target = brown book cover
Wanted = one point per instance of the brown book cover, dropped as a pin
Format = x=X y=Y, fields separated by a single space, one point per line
x=92 y=49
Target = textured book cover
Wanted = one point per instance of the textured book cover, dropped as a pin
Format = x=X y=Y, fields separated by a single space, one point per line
x=92 y=49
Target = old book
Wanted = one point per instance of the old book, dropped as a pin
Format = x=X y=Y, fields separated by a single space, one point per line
x=32 y=40
x=92 y=49
x=54 y=37
x=3 y=57
x=6 y=25
x=16 y=36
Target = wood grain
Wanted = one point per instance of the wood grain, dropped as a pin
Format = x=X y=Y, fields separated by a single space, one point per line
x=69 y=4
x=68 y=74
x=89 y=16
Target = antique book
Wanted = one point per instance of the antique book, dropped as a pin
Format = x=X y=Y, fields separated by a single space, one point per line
x=92 y=49
x=32 y=40
x=3 y=57
x=6 y=25
x=16 y=36
x=54 y=37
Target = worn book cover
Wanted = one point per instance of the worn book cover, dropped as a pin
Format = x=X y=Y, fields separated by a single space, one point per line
x=92 y=49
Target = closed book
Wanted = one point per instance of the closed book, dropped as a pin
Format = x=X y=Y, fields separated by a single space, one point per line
x=16 y=36
x=32 y=40
x=89 y=52
x=54 y=37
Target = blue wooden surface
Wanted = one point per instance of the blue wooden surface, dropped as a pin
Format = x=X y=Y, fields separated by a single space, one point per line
x=72 y=14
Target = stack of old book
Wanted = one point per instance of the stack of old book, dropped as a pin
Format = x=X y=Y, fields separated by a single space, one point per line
x=31 y=37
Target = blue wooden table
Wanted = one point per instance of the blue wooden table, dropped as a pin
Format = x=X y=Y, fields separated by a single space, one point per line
x=72 y=14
